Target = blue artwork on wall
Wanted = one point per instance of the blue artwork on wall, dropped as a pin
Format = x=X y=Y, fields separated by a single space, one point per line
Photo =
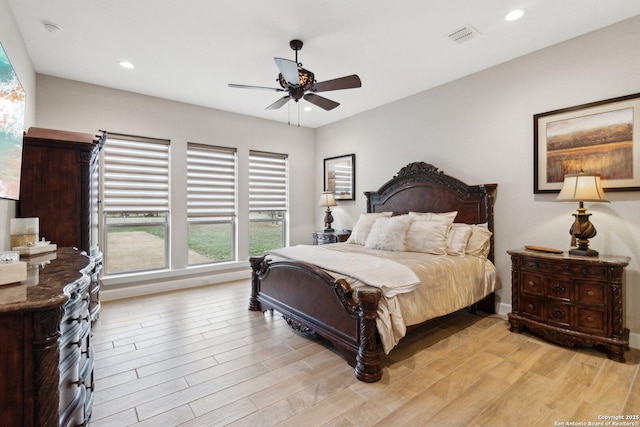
x=12 y=107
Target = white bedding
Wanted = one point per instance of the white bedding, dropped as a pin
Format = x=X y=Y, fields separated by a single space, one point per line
x=447 y=283
x=392 y=277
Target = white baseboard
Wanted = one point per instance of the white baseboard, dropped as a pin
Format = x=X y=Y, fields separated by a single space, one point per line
x=634 y=338
x=109 y=294
x=503 y=309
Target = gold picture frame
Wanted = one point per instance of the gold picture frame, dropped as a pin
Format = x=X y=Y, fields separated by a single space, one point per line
x=599 y=137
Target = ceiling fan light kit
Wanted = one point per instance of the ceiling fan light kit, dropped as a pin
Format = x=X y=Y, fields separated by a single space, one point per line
x=300 y=83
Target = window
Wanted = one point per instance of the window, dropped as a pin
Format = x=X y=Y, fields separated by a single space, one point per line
x=135 y=208
x=211 y=203
x=268 y=201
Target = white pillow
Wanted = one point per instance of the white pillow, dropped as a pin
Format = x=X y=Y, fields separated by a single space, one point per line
x=445 y=216
x=457 y=239
x=428 y=235
x=388 y=234
x=362 y=228
x=479 y=243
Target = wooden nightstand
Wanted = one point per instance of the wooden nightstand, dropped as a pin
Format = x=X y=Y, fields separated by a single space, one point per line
x=570 y=300
x=325 y=237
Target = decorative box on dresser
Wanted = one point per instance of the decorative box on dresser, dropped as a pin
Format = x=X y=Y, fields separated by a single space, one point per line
x=46 y=357
x=570 y=300
x=326 y=237
x=59 y=185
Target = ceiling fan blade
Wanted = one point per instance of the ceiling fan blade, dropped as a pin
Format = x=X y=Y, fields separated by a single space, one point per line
x=324 y=103
x=347 y=82
x=276 y=89
x=279 y=103
x=289 y=70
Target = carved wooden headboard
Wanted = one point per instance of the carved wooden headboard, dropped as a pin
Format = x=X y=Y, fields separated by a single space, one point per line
x=420 y=187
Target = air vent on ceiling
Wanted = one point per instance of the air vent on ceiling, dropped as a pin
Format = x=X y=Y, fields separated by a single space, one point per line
x=464 y=34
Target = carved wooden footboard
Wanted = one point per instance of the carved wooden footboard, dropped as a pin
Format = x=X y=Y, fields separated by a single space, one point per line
x=310 y=299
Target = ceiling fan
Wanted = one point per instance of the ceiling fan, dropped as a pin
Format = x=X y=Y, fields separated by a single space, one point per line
x=300 y=83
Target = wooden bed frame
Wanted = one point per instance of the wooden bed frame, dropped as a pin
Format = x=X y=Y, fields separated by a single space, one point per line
x=310 y=299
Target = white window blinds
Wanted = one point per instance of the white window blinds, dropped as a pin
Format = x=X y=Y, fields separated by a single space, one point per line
x=211 y=181
x=267 y=182
x=136 y=174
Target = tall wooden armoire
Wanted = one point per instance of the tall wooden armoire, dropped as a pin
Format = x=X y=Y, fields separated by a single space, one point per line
x=59 y=185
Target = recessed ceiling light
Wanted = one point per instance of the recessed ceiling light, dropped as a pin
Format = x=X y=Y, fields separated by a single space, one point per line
x=307 y=108
x=126 y=64
x=514 y=15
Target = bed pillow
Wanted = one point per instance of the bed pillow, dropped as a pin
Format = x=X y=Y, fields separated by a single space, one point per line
x=445 y=216
x=388 y=233
x=362 y=228
x=457 y=239
x=479 y=243
x=428 y=235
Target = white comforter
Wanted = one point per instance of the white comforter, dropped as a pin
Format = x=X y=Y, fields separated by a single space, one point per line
x=447 y=283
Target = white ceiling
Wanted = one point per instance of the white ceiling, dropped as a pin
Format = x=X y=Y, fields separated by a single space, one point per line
x=189 y=50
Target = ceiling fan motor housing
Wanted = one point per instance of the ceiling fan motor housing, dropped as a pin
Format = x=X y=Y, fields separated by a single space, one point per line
x=305 y=77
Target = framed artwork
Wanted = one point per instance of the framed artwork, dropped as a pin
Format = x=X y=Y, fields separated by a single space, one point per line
x=12 y=107
x=600 y=137
x=340 y=176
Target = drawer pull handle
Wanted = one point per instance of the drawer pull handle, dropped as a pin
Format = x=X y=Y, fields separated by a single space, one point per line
x=558 y=313
x=78 y=343
x=558 y=289
x=530 y=306
x=81 y=319
x=590 y=293
x=531 y=283
x=590 y=318
x=79 y=382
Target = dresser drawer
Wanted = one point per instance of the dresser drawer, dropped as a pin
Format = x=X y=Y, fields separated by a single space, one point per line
x=558 y=288
x=532 y=284
x=588 y=271
x=590 y=293
x=558 y=314
x=531 y=307
x=592 y=321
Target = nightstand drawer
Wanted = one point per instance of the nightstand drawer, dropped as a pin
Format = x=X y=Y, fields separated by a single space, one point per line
x=531 y=307
x=592 y=321
x=590 y=293
x=558 y=314
x=592 y=272
x=326 y=237
x=532 y=283
x=558 y=288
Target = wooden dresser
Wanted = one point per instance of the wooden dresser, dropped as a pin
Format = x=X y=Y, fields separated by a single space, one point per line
x=570 y=300
x=46 y=357
x=59 y=185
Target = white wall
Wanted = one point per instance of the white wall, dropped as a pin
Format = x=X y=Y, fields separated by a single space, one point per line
x=81 y=107
x=480 y=129
x=13 y=46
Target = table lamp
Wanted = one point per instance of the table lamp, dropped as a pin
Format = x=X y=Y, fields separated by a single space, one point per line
x=582 y=187
x=327 y=199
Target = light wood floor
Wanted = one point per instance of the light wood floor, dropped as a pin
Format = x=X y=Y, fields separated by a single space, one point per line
x=199 y=358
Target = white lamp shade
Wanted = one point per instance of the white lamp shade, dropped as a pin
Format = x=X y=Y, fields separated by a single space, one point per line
x=581 y=187
x=327 y=199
